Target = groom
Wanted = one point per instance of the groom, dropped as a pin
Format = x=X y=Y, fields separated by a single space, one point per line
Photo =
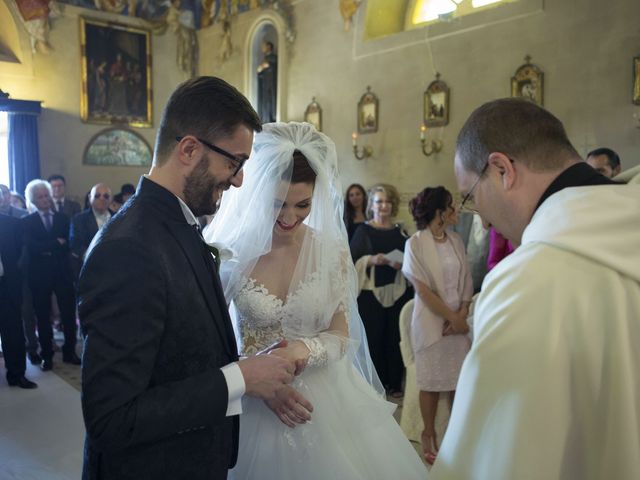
x=161 y=380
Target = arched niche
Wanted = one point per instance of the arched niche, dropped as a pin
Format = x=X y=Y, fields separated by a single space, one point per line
x=268 y=26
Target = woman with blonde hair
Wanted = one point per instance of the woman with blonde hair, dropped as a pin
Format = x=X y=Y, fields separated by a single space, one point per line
x=383 y=288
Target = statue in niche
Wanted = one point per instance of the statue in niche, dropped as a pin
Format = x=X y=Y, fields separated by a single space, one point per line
x=267 y=83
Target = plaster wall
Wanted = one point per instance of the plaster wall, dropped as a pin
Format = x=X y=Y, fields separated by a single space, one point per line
x=584 y=47
x=55 y=80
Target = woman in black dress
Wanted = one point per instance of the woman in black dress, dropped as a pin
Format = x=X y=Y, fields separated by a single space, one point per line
x=355 y=203
x=383 y=288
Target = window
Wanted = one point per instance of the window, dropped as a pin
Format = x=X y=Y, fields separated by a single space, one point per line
x=428 y=11
x=4 y=148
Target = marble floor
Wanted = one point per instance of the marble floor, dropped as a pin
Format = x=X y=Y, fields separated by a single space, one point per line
x=41 y=430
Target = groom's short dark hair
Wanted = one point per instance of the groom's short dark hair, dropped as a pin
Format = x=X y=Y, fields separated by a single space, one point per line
x=205 y=107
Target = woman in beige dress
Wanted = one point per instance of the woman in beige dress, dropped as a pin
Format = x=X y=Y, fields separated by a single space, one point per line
x=436 y=265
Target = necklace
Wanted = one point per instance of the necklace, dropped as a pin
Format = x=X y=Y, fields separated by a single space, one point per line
x=438 y=237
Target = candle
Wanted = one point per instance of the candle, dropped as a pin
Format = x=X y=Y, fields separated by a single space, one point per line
x=354 y=138
x=423 y=130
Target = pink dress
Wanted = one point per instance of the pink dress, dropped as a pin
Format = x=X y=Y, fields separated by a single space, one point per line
x=438 y=365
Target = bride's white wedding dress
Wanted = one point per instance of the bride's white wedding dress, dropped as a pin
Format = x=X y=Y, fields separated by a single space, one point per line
x=352 y=434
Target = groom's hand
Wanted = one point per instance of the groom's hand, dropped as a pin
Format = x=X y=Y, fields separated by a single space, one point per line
x=265 y=374
x=290 y=406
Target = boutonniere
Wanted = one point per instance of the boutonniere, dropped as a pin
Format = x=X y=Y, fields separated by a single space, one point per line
x=220 y=253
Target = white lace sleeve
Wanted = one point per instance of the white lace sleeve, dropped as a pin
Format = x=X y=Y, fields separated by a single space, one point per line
x=324 y=348
x=331 y=345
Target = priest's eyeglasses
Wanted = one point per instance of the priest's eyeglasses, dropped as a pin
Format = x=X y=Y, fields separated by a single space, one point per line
x=468 y=196
x=237 y=161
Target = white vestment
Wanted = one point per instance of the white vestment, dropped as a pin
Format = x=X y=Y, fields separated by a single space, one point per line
x=551 y=387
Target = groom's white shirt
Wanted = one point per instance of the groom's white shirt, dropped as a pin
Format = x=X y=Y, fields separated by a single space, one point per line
x=232 y=373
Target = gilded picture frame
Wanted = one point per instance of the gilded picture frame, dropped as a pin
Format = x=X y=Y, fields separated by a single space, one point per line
x=528 y=82
x=368 y=112
x=436 y=104
x=116 y=74
x=313 y=114
x=636 y=80
x=117 y=147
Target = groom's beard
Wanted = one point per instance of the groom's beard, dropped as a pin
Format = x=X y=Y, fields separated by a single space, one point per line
x=202 y=191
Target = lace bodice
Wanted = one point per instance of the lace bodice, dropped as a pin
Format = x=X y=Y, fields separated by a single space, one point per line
x=264 y=318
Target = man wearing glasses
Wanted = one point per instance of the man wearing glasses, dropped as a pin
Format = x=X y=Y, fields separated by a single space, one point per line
x=161 y=380
x=549 y=389
x=86 y=224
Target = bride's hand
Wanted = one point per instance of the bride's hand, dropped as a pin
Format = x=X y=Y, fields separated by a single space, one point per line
x=296 y=352
x=290 y=406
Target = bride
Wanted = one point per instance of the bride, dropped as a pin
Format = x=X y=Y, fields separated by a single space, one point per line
x=291 y=277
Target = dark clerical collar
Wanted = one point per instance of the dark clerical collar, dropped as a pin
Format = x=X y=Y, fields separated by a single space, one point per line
x=579 y=175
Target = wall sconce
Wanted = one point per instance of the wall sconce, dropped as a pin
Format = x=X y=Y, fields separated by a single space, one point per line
x=429 y=148
x=366 y=151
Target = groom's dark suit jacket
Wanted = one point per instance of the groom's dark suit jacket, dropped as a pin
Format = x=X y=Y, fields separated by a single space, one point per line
x=157 y=332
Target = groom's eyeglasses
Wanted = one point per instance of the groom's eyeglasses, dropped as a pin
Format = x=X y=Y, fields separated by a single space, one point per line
x=237 y=161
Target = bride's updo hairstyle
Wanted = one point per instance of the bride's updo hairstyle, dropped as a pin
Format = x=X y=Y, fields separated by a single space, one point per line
x=426 y=204
x=302 y=171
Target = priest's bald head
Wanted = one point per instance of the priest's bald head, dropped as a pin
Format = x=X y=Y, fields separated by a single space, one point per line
x=508 y=153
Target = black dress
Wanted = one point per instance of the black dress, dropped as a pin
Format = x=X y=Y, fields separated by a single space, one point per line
x=382 y=323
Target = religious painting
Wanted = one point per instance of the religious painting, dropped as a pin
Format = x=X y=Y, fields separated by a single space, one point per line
x=636 y=80
x=117 y=147
x=116 y=74
x=436 y=104
x=313 y=114
x=527 y=82
x=368 y=116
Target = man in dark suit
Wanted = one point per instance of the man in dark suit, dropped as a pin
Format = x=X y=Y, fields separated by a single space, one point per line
x=86 y=224
x=46 y=236
x=11 y=333
x=161 y=380
x=61 y=204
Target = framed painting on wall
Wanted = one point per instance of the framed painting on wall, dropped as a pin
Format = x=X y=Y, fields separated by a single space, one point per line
x=313 y=114
x=436 y=104
x=636 y=80
x=528 y=82
x=116 y=74
x=368 y=115
x=117 y=147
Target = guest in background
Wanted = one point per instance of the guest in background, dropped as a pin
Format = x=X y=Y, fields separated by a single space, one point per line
x=18 y=201
x=383 y=288
x=436 y=265
x=6 y=208
x=46 y=236
x=11 y=333
x=355 y=204
x=605 y=161
x=499 y=248
x=28 y=316
x=61 y=204
x=86 y=224
x=475 y=238
x=126 y=191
